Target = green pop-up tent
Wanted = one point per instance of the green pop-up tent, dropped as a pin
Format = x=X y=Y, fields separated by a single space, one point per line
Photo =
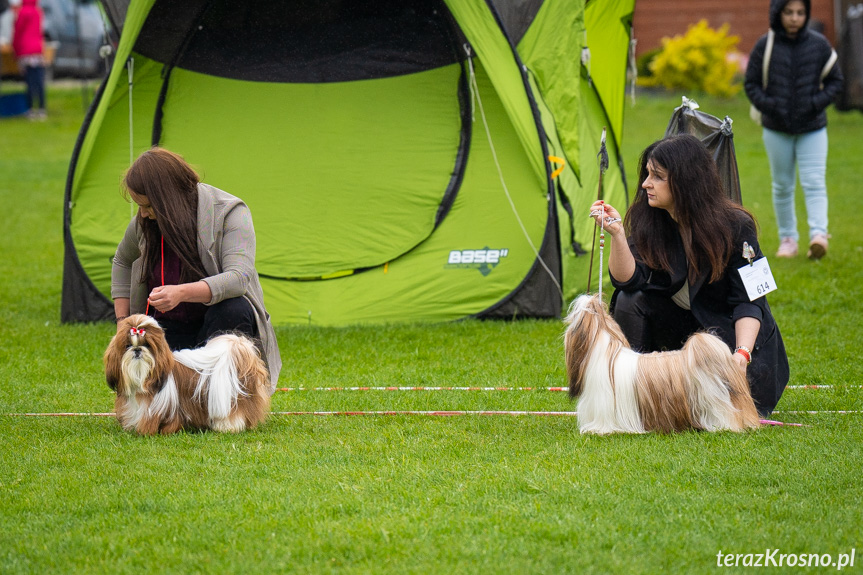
x=401 y=159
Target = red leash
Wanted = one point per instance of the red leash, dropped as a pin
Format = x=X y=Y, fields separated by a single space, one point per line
x=147 y=312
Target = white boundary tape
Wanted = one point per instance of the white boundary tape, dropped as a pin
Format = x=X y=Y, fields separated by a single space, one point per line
x=422 y=388
x=818 y=412
x=62 y=414
x=380 y=412
x=405 y=412
x=443 y=388
x=443 y=413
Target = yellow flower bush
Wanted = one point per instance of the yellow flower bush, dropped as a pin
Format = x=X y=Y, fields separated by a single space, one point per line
x=698 y=60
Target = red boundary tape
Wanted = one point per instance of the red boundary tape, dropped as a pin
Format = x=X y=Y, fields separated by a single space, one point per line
x=409 y=413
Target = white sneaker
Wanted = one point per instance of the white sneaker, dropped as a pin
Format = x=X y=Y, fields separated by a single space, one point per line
x=37 y=115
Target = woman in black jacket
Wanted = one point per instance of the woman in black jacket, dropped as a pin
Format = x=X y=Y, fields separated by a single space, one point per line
x=802 y=80
x=675 y=262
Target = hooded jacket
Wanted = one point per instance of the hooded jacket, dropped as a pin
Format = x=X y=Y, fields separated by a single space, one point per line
x=27 y=33
x=795 y=99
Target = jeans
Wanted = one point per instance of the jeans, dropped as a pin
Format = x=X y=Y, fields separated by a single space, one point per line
x=35 y=78
x=234 y=315
x=809 y=152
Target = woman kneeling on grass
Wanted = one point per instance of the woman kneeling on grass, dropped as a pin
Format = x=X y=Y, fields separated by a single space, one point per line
x=188 y=259
x=674 y=263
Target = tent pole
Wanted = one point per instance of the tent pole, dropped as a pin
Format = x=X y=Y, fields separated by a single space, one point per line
x=602 y=157
x=130 y=66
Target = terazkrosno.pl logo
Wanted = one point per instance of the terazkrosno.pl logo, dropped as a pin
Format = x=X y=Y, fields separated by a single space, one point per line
x=483 y=260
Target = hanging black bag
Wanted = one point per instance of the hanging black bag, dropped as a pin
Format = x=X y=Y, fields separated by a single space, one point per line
x=716 y=135
x=851 y=60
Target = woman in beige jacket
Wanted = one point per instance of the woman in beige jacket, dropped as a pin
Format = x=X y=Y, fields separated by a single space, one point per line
x=188 y=259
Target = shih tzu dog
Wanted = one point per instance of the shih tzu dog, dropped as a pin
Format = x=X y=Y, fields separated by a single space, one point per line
x=223 y=386
x=623 y=391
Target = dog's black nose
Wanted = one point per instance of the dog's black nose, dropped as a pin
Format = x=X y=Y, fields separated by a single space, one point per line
x=137 y=352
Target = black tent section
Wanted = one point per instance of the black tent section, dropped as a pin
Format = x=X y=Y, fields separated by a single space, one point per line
x=850 y=51
x=115 y=11
x=716 y=134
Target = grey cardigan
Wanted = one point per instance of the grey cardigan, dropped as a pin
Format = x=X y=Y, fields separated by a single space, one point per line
x=226 y=245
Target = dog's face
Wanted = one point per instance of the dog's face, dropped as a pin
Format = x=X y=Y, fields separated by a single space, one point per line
x=138 y=358
x=583 y=304
x=588 y=315
x=587 y=321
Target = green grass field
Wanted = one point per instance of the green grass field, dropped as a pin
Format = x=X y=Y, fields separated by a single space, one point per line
x=421 y=494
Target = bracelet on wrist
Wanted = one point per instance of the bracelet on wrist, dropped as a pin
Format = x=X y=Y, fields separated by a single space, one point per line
x=745 y=352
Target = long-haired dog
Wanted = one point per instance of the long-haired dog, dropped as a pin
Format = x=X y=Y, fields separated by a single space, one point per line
x=623 y=391
x=223 y=386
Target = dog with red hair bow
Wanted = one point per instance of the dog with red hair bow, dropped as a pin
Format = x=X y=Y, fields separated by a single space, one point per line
x=223 y=386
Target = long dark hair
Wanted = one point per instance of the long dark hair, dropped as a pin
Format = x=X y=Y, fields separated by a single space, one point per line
x=171 y=187
x=704 y=215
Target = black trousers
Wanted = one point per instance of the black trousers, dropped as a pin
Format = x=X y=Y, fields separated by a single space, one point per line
x=234 y=315
x=35 y=78
x=652 y=322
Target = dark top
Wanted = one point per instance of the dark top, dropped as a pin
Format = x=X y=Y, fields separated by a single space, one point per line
x=185 y=312
x=718 y=305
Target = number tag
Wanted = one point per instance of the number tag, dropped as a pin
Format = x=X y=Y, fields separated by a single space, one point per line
x=758 y=279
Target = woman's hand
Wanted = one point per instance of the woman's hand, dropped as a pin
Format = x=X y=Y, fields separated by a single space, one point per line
x=745 y=333
x=740 y=361
x=166 y=298
x=607 y=217
x=621 y=263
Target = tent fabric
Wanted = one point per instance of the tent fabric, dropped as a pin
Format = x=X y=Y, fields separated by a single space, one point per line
x=116 y=10
x=489 y=44
x=579 y=110
x=516 y=16
x=396 y=172
x=288 y=42
x=716 y=135
x=324 y=162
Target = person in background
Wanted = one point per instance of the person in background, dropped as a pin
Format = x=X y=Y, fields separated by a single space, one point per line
x=28 y=46
x=800 y=85
x=188 y=259
x=675 y=264
x=5 y=23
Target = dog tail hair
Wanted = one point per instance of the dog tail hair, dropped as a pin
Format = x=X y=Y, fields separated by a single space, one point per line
x=720 y=391
x=217 y=363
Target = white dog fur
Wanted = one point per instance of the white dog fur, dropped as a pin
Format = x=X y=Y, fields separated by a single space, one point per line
x=622 y=391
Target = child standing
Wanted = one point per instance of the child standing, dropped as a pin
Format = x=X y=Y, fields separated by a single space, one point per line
x=28 y=46
x=801 y=83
